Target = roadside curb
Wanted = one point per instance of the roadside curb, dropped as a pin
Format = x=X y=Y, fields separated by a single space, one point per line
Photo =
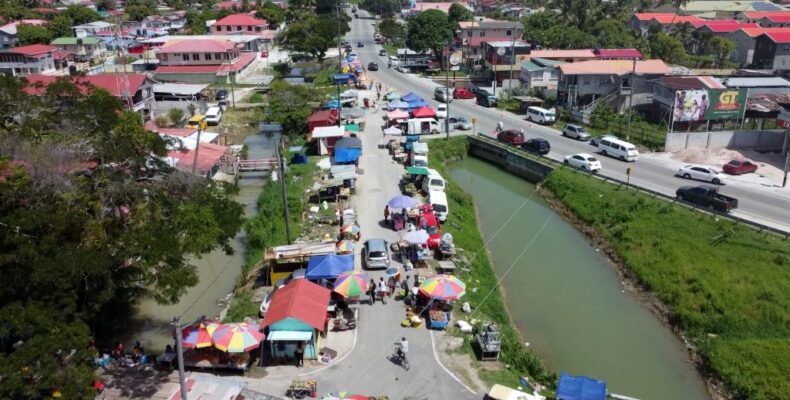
x=436 y=357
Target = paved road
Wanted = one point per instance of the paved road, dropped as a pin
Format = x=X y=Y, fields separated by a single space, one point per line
x=764 y=205
x=367 y=370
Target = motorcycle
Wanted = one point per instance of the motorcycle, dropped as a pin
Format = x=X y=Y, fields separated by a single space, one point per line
x=343 y=324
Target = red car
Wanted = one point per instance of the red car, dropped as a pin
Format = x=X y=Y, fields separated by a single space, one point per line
x=462 y=93
x=431 y=225
x=738 y=167
x=511 y=136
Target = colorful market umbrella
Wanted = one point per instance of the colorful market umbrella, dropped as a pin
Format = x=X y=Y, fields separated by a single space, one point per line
x=345 y=246
x=392 y=96
x=392 y=271
x=198 y=335
x=350 y=229
x=351 y=284
x=344 y=396
x=443 y=287
x=237 y=337
x=403 y=202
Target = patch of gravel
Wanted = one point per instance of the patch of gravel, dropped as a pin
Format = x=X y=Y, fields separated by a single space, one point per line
x=461 y=364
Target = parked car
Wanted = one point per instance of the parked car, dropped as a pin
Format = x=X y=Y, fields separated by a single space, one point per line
x=213 y=115
x=707 y=196
x=541 y=115
x=463 y=93
x=537 y=146
x=583 y=161
x=700 y=173
x=619 y=149
x=221 y=94
x=511 y=136
x=576 y=132
x=460 y=123
x=197 y=122
x=595 y=140
x=402 y=69
x=382 y=52
x=739 y=167
x=376 y=254
x=485 y=99
x=373 y=67
x=442 y=94
x=441 y=111
x=360 y=44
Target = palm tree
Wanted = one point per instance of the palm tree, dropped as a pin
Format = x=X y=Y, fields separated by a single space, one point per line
x=683 y=33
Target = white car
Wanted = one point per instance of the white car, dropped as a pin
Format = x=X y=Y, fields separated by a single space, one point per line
x=460 y=123
x=583 y=161
x=700 y=173
x=441 y=111
x=213 y=115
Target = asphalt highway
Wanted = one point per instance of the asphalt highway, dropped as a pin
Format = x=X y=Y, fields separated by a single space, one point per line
x=762 y=205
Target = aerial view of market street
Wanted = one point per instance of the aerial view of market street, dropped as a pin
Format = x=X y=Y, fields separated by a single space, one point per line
x=395 y=199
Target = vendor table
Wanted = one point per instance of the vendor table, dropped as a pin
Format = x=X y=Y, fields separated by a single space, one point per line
x=300 y=389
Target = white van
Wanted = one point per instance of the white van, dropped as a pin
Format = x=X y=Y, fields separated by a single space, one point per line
x=438 y=201
x=541 y=115
x=618 y=149
x=393 y=61
x=213 y=115
x=422 y=126
x=433 y=181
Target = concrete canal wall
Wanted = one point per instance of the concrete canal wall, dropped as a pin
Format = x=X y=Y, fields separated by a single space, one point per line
x=512 y=159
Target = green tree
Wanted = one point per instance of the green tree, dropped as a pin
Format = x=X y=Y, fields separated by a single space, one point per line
x=667 y=48
x=290 y=105
x=137 y=10
x=33 y=34
x=313 y=35
x=429 y=30
x=458 y=13
x=175 y=115
x=80 y=14
x=12 y=12
x=536 y=25
x=392 y=29
x=720 y=49
x=105 y=5
x=272 y=13
x=60 y=26
x=612 y=34
x=384 y=8
x=245 y=6
x=568 y=37
x=196 y=22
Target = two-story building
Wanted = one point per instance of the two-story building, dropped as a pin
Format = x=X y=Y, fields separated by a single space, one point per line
x=239 y=24
x=84 y=49
x=642 y=22
x=745 y=40
x=766 y=19
x=140 y=95
x=541 y=74
x=582 y=83
x=725 y=9
x=202 y=61
x=33 y=59
x=772 y=51
x=502 y=59
x=471 y=35
x=8 y=32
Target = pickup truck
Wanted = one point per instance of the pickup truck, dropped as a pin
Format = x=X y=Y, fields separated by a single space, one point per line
x=707 y=196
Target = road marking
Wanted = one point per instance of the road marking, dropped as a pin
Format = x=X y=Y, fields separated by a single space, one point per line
x=436 y=357
x=337 y=361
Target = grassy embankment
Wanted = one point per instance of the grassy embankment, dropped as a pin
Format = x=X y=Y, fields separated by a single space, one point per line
x=726 y=286
x=462 y=223
x=267 y=228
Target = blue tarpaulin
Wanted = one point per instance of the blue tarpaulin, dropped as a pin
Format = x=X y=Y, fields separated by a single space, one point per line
x=347 y=155
x=397 y=104
x=580 y=388
x=411 y=97
x=344 y=78
x=416 y=104
x=329 y=266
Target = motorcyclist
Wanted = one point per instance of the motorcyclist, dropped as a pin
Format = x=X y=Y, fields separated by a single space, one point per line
x=403 y=347
x=500 y=126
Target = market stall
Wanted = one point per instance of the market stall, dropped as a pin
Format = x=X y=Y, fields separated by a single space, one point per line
x=297 y=314
x=329 y=266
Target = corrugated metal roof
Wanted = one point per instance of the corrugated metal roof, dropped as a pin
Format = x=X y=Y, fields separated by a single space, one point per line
x=754 y=81
x=185 y=89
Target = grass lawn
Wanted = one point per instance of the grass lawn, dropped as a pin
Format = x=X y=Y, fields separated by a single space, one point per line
x=508 y=105
x=727 y=286
x=239 y=124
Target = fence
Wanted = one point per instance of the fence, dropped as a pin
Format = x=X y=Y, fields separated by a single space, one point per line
x=755 y=225
x=652 y=137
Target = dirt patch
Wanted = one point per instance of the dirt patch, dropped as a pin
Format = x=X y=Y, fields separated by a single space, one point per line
x=631 y=283
x=461 y=364
x=770 y=164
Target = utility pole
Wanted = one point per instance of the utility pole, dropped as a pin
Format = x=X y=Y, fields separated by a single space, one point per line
x=787 y=166
x=197 y=146
x=631 y=100
x=447 y=93
x=180 y=354
x=281 y=165
x=232 y=85
x=512 y=60
x=339 y=65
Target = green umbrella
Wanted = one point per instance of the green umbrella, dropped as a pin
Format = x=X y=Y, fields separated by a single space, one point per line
x=417 y=171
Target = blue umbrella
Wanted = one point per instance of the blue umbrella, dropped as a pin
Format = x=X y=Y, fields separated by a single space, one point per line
x=403 y=202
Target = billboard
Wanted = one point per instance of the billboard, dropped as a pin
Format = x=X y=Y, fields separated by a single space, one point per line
x=710 y=104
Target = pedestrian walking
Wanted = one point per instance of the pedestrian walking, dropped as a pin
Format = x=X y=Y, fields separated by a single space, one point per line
x=391 y=285
x=383 y=290
x=386 y=213
x=299 y=354
x=372 y=291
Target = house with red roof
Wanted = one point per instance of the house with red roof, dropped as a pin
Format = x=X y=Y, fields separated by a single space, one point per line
x=8 y=32
x=745 y=40
x=297 y=313
x=33 y=59
x=444 y=7
x=582 y=83
x=202 y=61
x=471 y=35
x=239 y=24
x=141 y=93
x=642 y=22
x=766 y=19
x=772 y=51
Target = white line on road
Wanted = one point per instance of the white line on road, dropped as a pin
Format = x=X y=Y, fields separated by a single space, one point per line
x=436 y=356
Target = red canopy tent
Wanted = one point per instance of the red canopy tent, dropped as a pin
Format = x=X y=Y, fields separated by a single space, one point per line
x=424 y=112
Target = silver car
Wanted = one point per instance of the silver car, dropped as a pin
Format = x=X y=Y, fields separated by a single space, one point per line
x=376 y=254
x=576 y=132
x=460 y=123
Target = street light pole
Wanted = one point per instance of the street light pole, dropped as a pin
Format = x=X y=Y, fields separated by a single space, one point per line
x=281 y=166
x=447 y=92
x=631 y=100
x=339 y=62
x=512 y=60
x=180 y=355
